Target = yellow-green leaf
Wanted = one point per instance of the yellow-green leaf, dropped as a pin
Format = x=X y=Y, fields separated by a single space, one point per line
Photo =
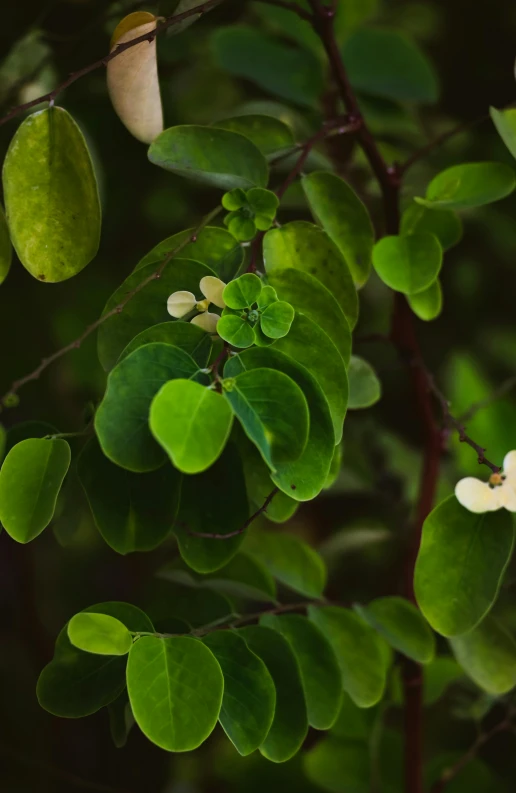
x=5 y=247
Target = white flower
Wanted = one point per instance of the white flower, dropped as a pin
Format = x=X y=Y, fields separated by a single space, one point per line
x=498 y=492
x=181 y=303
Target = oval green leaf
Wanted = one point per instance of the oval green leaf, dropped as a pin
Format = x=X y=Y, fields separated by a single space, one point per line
x=505 y=123
x=461 y=563
x=320 y=673
x=30 y=480
x=290 y=724
x=470 y=185
x=133 y=512
x=339 y=766
x=236 y=331
x=242 y=292
x=122 y=419
x=51 y=196
x=277 y=319
x=99 y=634
x=249 y=700
x=273 y=412
x=488 y=655
x=213 y=156
x=289 y=559
x=344 y=218
x=365 y=388
x=404 y=627
x=146 y=308
x=308 y=296
x=175 y=689
x=192 y=423
x=190 y=338
x=270 y=135
x=408 y=263
x=306 y=477
x=306 y=247
x=444 y=223
x=427 y=305
x=204 y=508
x=359 y=651
x=309 y=346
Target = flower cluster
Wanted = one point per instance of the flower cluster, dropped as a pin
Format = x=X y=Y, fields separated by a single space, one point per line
x=249 y=211
x=182 y=303
x=498 y=492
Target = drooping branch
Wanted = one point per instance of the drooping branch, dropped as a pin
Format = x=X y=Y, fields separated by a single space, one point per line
x=248 y=522
x=175 y=19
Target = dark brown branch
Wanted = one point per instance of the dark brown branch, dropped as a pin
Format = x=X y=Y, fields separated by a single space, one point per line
x=436 y=143
x=202 y=8
x=251 y=519
x=450 y=773
x=74 y=345
x=504 y=388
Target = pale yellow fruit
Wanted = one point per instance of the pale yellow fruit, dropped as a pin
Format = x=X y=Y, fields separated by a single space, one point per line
x=132 y=78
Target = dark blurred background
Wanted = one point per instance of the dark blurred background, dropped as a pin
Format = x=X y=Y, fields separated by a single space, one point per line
x=471 y=348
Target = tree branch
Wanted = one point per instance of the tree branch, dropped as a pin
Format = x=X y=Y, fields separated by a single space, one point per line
x=202 y=8
x=251 y=519
x=74 y=345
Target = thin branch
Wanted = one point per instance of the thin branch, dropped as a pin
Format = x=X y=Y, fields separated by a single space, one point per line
x=251 y=519
x=450 y=773
x=202 y=8
x=504 y=388
x=436 y=143
x=74 y=345
x=294 y=7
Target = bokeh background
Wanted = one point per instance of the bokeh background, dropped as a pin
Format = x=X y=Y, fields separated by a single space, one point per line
x=361 y=525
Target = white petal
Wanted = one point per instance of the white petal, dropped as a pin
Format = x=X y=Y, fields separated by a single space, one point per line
x=212 y=288
x=507 y=496
x=509 y=463
x=206 y=321
x=180 y=303
x=132 y=78
x=477 y=496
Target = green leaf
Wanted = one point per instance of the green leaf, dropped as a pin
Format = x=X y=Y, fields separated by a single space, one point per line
x=443 y=223
x=121 y=720
x=243 y=292
x=243 y=229
x=277 y=319
x=192 y=423
x=288 y=23
x=175 y=688
x=344 y=218
x=359 y=650
x=291 y=560
x=148 y=307
x=365 y=388
x=427 y=305
x=249 y=700
x=400 y=622
x=408 y=263
x=461 y=563
x=51 y=196
x=267 y=297
x=234 y=200
x=505 y=123
x=469 y=185
x=290 y=725
x=306 y=477
x=75 y=683
x=133 y=512
x=308 y=248
x=263 y=202
x=320 y=673
x=30 y=480
x=258 y=481
x=270 y=135
x=180 y=8
x=26 y=430
x=488 y=655
x=209 y=155
x=339 y=766
x=474 y=777
x=273 y=412
x=284 y=71
x=387 y=63
x=5 y=247
x=308 y=296
x=351 y=14
x=236 y=331
x=170 y=602
x=438 y=675
x=190 y=338
x=122 y=419
x=309 y=346
x=99 y=634
x=204 y=508
x=214 y=247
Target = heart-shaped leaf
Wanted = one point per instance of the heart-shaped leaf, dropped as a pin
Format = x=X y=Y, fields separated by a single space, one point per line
x=408 y=263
